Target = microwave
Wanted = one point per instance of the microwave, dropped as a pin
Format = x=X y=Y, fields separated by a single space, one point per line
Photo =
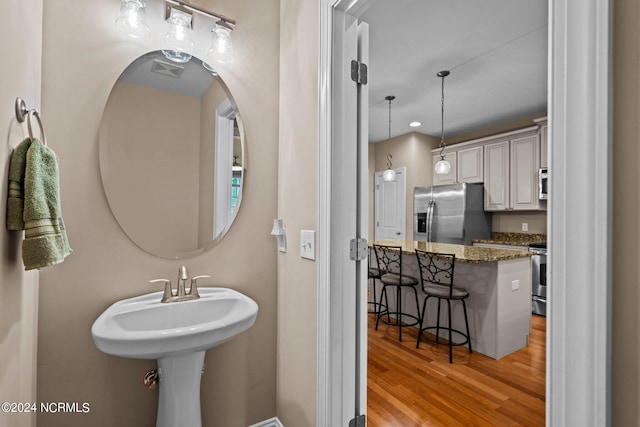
x=543 y=176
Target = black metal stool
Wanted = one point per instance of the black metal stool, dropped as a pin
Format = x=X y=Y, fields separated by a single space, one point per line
x=390 y=260
x=436 y=274
x=374 y=274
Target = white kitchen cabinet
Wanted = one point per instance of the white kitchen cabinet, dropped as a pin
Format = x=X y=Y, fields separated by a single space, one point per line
x=447 y=178
x=496 y=176
x=525 y=163
x=471 y=164
x=544 y=147
x=511 y=174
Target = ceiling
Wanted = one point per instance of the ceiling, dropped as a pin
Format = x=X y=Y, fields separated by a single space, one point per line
x=496 y=51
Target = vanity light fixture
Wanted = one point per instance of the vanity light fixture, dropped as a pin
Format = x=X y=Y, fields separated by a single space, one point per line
x=281 y=236
x=389 y=174
x=132 y=20
x=179 y=14
x=442 y=166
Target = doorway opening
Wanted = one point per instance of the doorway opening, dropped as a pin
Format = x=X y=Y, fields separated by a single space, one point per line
x=578 y=382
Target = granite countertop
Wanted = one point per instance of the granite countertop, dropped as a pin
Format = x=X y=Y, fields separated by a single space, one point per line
x=515 y=239
x=463 y=253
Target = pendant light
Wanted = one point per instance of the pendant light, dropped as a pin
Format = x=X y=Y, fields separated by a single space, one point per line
x=389 y=174
x=442 y=166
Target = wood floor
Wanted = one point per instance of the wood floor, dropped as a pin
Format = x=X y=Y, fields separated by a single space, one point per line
x=418 y=387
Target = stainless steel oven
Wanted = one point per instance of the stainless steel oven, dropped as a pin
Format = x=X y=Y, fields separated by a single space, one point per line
x=539 y=279
x=543 y=176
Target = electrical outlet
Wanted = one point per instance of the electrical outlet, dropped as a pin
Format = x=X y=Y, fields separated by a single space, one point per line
x=308 y=244
x=515 y=285
x=525 y=226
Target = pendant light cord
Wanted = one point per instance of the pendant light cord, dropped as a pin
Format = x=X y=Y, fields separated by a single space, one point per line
x=442 y=74
x=389 y=156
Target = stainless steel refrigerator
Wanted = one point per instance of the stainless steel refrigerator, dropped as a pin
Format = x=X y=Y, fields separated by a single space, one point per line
x=450 y=214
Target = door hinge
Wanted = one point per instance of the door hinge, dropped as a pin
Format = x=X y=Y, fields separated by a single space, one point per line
x=358 y=421
x=359 y=72
x=358 y=249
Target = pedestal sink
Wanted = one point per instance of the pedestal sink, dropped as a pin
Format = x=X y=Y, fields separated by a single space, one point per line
x=177 y=334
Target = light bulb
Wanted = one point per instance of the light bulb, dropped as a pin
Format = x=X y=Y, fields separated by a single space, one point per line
x=389 y=175
x=221 y=49
x=178 y=38
x=132 y=20
x=442 y=167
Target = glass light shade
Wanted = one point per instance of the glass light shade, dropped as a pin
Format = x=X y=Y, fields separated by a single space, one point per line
x=221 y=49
x=389 y=175
x=179 y=40
x=132 y=20
x=442 y=167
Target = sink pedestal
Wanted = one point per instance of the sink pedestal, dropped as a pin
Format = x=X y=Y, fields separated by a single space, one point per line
x=179 y=402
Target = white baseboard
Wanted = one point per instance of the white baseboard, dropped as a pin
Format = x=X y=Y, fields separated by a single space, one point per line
x=272 y=422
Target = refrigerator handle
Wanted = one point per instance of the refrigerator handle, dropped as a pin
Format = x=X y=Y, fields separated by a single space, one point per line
x=429 y=219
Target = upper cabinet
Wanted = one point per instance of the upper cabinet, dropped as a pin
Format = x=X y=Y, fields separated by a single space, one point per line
x=496 y=186
x=544 y=144
x=471 y=164
x=508 y=164
x=525 y=155
x=466 y=165
x=511 y=177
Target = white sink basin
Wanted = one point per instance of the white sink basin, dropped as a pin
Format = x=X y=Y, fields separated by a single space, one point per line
x=144 y=328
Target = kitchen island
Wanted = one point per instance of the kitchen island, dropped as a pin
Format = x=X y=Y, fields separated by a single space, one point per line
x=499 y=285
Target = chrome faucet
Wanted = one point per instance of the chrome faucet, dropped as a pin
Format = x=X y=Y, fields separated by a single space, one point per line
x=181 y=293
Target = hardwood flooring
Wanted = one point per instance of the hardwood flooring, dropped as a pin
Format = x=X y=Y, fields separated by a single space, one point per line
x=418 y=387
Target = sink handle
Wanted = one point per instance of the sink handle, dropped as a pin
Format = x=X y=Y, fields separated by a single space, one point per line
x=168 y=293
x=194 y=284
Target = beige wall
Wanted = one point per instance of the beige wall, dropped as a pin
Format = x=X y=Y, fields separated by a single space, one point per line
x=626 y=215
x=83 y=56
x=412 y=150
x=21 y=35
x=298 y=207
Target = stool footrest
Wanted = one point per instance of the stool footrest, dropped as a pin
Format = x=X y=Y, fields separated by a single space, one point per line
x=439 y=339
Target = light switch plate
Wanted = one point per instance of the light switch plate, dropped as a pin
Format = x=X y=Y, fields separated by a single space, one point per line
x=525 y=226
x=515 y=285
x=308 y=244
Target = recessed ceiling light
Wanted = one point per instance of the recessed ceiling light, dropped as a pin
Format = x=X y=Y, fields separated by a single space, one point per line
x=414 y=124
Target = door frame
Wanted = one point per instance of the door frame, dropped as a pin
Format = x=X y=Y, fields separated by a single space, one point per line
x=403 y=194
x=578 y=378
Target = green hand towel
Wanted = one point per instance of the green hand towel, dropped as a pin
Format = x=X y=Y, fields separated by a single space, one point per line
x=15 y=200
x=45 y=237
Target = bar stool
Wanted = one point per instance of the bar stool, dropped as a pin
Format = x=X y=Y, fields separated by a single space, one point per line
x=374 y=274
x=390 y=260
x=436 y=274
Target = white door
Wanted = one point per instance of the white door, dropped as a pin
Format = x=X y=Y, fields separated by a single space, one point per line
x=390 y=206
x=343 y=372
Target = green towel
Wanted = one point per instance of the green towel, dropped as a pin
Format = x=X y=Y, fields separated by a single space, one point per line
x=45 y=237
x=15 y=201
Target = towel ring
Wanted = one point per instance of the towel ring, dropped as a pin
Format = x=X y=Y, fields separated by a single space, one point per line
x=37 y=116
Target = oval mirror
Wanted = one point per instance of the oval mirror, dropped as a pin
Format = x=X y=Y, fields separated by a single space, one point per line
x=172 y=155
